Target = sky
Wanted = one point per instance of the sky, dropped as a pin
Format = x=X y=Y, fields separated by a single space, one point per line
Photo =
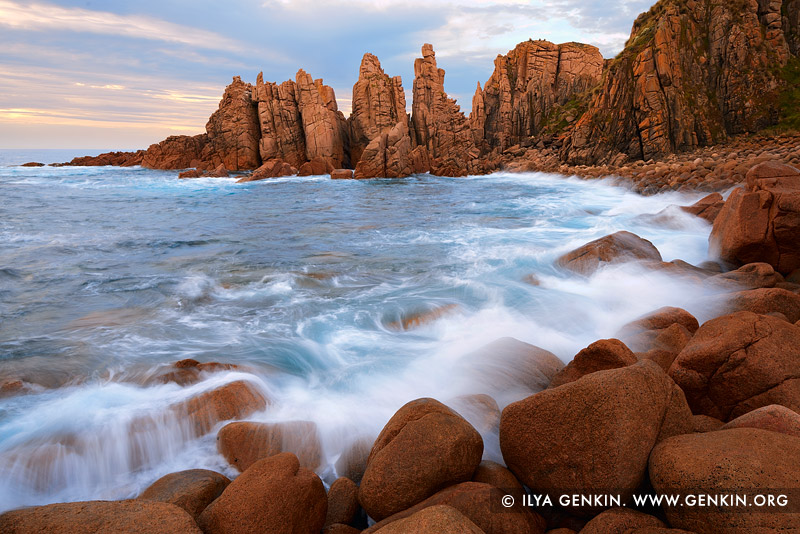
x=123 y=75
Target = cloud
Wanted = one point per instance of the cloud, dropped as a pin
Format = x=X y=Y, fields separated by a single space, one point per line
x=45 y=17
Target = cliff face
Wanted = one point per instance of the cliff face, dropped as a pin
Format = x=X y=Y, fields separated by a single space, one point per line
x=525 y=87
x=438 y=123
x=693 y=72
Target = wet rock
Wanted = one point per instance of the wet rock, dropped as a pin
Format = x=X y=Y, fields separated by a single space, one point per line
x=391 y=155
x=478 y=502
x=244 y=443
x=342 y=501
x=274 y=495
x=188 y=371
x=661 y=335
x=134 y=516
x=271 y=169
x=750 y=276
x=192 y=173
x=440 y=519
x=218 y=172
x=316 y=167
x=32 y=164
x=341 y=174
x=599 y=356
x=353 y=461
x=424 y=448
x=761 y=223
x=231 y=401
x=116 y=159
x=511 y=369
x=775 y=418
x=480 y=410
x=338 y=528
x=415 y=319
x=553 y=444
x=707 y=207
x=740 y=362
x=743 y=461
x=191 y=490
x=615 y=248
x=766 y=301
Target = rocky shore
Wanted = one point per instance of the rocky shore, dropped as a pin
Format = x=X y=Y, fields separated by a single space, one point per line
x=667 y=407
x=701 y=92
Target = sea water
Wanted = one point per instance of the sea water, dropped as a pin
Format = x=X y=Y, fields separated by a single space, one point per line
x=300 y=281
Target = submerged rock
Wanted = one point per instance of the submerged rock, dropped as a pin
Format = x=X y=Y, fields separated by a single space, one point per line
x=192 y=490
x=615 y=248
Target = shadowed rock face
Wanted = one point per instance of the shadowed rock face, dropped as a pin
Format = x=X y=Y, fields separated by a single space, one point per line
x=526 y=85
x=438 y=123
x=691 y=73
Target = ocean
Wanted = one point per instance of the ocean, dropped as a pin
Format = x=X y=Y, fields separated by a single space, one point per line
x=105 y=272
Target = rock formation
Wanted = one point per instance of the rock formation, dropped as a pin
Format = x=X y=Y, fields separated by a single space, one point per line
x=233 y=131
x=691 y=74
x=280 y=123
x=324 y=126
x=438 y=123
x=526 y=85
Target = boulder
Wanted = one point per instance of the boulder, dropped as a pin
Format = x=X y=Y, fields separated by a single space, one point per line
x=620 y=521
x=510 y=369
x=338 y=528
x=480 y=410
x=615 y=248
x=707 y=207
x=244 y=443
x=766 y=301
x=391 y=155
x=234 y=400
x=316 y=167
x=775 y=418
x=353 y=461
x=706 y=423
x=439 y=519
x=479 y=503
x=761 y=223
x=553 y=444
x=496 y=475
x=185 y=372
x=273 y=168
x=661 y=335
x=342 y=502
x=740 y=362
x=341 y=174
x=415 y=319
x=750 y=276
x=424 y=448
x=218 y=172
x=740 y=461
x=125 y=517
x=191 y=173
x=599 y=356
x=192 y=490
x=274 y=495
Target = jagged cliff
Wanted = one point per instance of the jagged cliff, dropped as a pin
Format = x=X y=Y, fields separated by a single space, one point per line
x=693 y=73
